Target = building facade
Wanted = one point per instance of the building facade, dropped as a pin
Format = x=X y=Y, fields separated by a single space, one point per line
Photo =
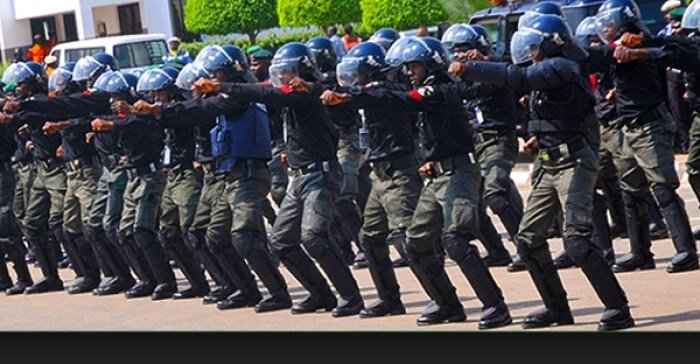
x=70 y=20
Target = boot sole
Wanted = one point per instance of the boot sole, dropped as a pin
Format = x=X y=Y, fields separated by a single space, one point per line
x=448 y=320
x=493 y=325
x=676 y=269
x=272 y=309
x=541 y=325
x=397 y=312
x=321 y=309
x=245 y=305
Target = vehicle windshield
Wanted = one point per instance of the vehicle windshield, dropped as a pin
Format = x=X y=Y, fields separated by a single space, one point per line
x=140 y=54
x=574 y=15
x=73 y=55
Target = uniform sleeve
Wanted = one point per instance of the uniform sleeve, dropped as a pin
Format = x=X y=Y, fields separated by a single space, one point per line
x=601 y=57
x=685 y=57
x=135 y=124
x=69 y=107
x=549 y=74
x=199 y=112
x=282 y=96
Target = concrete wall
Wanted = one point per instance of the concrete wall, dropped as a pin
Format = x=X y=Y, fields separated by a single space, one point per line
x=156 y=17
x=110 y=16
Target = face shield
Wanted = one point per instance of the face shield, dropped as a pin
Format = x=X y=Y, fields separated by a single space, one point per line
x=153 y=80
x=111 y=82
x=691 y=17
x=347 y=72
x=405 y=49
x=17 y=73
x=214 y=58
x=608 y=24
x=382 y=41
x=59 y=80
x=525 y=45
x=283 y=72
x=577 y=14
x=86 y=68
x=189 y=75
x=456 y=34
x=585 y=31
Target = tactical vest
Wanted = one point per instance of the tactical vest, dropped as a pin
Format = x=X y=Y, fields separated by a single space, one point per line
x=246 y=137
x=561 y=110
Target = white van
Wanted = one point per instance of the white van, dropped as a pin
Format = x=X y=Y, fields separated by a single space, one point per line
x=134 y=52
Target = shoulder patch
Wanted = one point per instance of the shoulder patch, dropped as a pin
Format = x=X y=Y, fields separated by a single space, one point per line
x=286 y=89
x=421 y=93
x=87 y=93
x=372 y=85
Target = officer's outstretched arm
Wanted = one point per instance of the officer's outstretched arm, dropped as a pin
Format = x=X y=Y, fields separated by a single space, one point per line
x=549 y=74
x=283 y=96
x=69 y=107
x=135 y=124
x=199 y=112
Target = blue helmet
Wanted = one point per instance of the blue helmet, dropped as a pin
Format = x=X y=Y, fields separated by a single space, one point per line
x=543 y=8
x=157 y=80
x=577 y=10
x=545 y=35
x=466 y=36
x=293 y=59
x=586 y=30
x=117 y=82
x=25 y=72
x=61 y=77
x=426 y=50
x=691 y=17
x=89 y=68
x=229 y=58
x=324 y=51
x=189 y=75
x=362 y=64
x=385 y=37
x=614 y=17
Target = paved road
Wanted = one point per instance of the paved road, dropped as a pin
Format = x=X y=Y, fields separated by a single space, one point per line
x=659 y=301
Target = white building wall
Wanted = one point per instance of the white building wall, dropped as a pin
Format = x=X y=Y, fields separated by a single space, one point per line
x=156 y=17
x=13 y=33
x=110 y=16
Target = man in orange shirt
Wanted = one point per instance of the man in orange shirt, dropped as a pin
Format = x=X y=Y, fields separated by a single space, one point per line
x=39 y=50
x=350 y=40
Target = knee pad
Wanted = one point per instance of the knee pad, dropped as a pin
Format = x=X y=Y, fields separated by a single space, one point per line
x=457 y=248
x=144 y=238
x=577 y=248
x=664 y=196
x=244 y=242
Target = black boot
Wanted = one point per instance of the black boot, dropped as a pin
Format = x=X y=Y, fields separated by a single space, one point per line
x=562 y=261
x=517 y=265
x=155 y=256
x=606 y=286
x=657 y=227
x=303 y=269
x=431 y=274
x=637 y=217
x=219 y=294
x=503 y=208
x=246 y=297
x=189 y=267
x=134 y=256
x=140 y=289
x=498 y=255
x=673 y=210
x=601 y=236
x=115 y=285
x=88 y=265
x=544 y=275
x=401 y=261
x=45 y=256
x=384 y=278
x=494 y=313
x=24 y=279
x=197 y=243
x=236 y=271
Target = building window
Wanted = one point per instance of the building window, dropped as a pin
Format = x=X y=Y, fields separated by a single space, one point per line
x=177 y=9
x=69 y=27
x=130 y=19
x=44 y=26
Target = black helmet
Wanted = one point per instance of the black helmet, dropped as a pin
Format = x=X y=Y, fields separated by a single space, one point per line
x=385 y=37
x=362 y=64
x=61 y=77
x=157 y=80
x=293 y=59
x=324 y=51
x=189 y=75
x=545 y=33
x=25 y=72
x=577 y=10
x=426 y=50
x=586 y=30
x=617 y=16
x=466 y=36
x=691 y=17
x=89 y=68
x=228 y=57
x=117 y=82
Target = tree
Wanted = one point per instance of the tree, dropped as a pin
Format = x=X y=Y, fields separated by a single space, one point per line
x=401 y=14
x=296 y=13
x=230 y=16
x=459 y=11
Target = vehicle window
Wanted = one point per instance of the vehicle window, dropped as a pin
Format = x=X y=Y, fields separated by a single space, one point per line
x=56 y=53
x=73 y=55
x=140 y=54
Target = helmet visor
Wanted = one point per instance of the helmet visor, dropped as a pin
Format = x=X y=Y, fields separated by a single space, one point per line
x=189 y=75
x=111 y=81
x=283 y=72
x=86 y=68
x=59 y=80
x=347 y=72
x=608 y=24
x=457 y=34
x=17 y=73
x=382 y=41
x=403 y=50
x=214 y=58
x=154 y=80
x=525 y=45
x=691 y=17
x=585 y=30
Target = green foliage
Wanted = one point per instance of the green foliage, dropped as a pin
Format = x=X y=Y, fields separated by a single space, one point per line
x=271 y=43
x=3 y=67
x=295 y=13
x=459 y=11
x=230 y=16
x=401 y=14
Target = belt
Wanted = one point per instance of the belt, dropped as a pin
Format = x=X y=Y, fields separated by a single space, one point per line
x=563 y=150
x=80 y=162
x=646 y=117
x=110 y=161
x=323 y=166
x=450 y=164
x=388 y=167
x=142 y=170
x=486 y=135
x=51 y=163
x=22 y=162
x=248 y=166
x=179 y=167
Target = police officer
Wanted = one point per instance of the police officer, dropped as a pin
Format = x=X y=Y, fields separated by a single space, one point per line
x=497 y=143
x=648 y=132
x=448 y=208
x=385 y=37
x=141 y=142
x=307 y=209
x=388 y=134
x=348 y=217
x=183 y=187
x=545 y=64
x=45 y=209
